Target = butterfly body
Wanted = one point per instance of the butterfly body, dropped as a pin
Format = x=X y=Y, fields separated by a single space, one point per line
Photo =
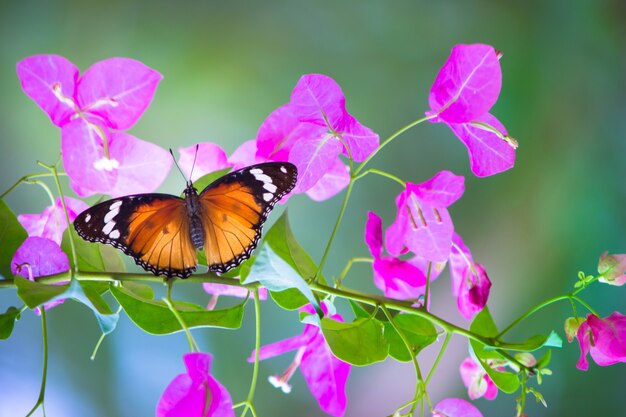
x=163 y=232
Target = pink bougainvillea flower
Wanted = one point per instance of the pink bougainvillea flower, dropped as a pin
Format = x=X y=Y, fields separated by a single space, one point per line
x=325 y=375
x=91 y=111
x=422 y=223
x=397 y=278
x=311 y=131
x=464 y=91
x=613 y=269
x=477 y=381
x=470 y=283
x=39 y=257
x=51 y=222
x=210 y=158
x=604 y=339
x=195 y=393
x=455 y=407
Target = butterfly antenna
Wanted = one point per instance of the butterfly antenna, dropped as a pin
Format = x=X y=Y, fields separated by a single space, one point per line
x=195 y=156
x=180 y=170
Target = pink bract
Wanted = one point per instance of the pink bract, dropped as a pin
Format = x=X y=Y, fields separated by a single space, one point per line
x=489 y=154
x=455 y=407
x=313 y=157
x=477 y=381
x=245 y=155
x=467 y=85
x=604 y=339
x=332 y=182
x=51 y=223
x=470 y=283
x=318 y=99
x=424 y=229
x=110 y=96
x=195 y=393
x=210 y=158
x=232 y=290
x=613 y=269
x=325 y=375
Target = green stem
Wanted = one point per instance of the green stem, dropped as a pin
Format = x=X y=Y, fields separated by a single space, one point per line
x=427 y=291
x=257 y=346
x=388 y=140
x=53 y=170
x=46 y=189
x=335 y=228
x=382 y=174
x=407 y=344
x=42 y=390
x=27 y=178
x=347 y=269
x=193 y=347
x=444 y=346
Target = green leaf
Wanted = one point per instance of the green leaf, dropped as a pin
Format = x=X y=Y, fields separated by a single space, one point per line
x=545 y=360
x=7 y=321
x=111 y=259
x=419 y=332
x=12 y=234
x=277 y=275
x=532 y=343
x=484 y=325
x=155 y=317
x=359 y=310
x=88 y=254
x=139 y=289
x=289 y=299
x=360 y=343
x=87 y=293
x=285 y=245
x=201 y=183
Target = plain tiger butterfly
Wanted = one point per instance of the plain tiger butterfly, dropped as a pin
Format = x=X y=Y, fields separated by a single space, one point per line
x=163 y=232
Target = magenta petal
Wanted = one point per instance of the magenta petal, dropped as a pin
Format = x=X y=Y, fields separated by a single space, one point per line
x=455 y=407
x=318 y=99
x=276 y=134
x=313 y=158
x=398 y=279
x=285 y=345
x=488 y=153
x=143 y=166
x=188 y=394
x=83 y=154
x=361 y=140
x=51 y=222
x=374 y=234
x=441 y=190
x=609 y=335
x=332 y=182
x=232 y=291
x=432 y=238
x=117 y=89
x=326 y=376
x=50 y=81
x=583 y=335
x=210 y=158
x=467 y=85
x=474 y=291
x=245 y=155
x=459 y=263
x=44 y=256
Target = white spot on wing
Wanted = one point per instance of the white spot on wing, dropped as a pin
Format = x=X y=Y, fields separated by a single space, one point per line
x=269 y=187
x=114 y=234
x=268 y=196
x=115 y=205
x=87 y=218
x=263 y=178
x=111 y=214
x=283 y=170
x=256 y=171
x=108 y=227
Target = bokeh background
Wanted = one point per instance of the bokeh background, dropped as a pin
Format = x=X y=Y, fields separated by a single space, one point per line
x=227 y=65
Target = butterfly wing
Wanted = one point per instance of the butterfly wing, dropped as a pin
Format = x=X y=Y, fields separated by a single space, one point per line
x=235 y=207
x=152 y=228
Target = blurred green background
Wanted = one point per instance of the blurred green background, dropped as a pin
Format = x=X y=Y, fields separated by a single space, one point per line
x=227 y=65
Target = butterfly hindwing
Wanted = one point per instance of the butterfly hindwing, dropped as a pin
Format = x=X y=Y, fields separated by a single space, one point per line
x=151 y=228
x=236 y=206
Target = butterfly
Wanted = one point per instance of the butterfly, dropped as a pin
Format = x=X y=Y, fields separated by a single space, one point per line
x=163 y=232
